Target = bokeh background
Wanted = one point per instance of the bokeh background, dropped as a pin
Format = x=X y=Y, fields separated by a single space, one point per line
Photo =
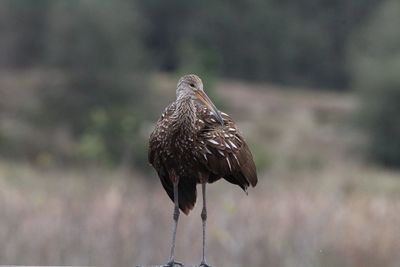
x=313 y=85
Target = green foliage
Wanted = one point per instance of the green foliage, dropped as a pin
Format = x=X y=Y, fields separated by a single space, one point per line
x=109 y=134
x=23 y=26
x=99 y=52
x=292 y=42
x=89 y=34
x=376 y=66
x=95 y=46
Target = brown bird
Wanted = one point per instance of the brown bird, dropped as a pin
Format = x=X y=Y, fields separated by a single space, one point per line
x=194 y=143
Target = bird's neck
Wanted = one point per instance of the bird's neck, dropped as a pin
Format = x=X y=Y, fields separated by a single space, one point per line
x=185 y=114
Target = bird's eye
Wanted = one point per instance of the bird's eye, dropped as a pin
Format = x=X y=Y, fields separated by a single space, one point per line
x=191 y=85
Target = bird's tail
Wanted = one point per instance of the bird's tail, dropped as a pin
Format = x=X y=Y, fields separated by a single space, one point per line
x=187 y=192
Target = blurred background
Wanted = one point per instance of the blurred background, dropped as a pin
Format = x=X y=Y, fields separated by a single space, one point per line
x=313 y=85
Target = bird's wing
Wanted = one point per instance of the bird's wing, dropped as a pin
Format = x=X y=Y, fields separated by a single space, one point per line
x=155 y=143
x=158 y=134
x=223 y=151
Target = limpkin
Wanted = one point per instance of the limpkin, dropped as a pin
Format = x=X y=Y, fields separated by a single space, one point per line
x=194 y=143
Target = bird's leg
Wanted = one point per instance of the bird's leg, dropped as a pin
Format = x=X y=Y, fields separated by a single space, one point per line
x=172 y=262
x=204 y=220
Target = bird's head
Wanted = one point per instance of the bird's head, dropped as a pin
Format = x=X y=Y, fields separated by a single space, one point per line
x=191 y=86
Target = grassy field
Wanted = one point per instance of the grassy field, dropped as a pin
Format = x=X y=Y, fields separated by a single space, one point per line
x=318 y=202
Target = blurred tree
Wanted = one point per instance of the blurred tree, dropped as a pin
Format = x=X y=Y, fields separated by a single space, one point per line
x=165 y=22
x=96 y=47
x=22 y=26
x=375 y=54
x=99 y=52
x=292 y=42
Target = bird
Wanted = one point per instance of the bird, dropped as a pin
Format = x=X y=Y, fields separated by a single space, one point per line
x=195 y=143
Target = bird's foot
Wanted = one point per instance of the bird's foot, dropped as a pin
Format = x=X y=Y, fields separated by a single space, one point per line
x=204 y=264
x=173 y=263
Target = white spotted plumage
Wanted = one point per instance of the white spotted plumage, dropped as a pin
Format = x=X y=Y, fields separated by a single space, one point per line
x=196 y=141
x=212 y=141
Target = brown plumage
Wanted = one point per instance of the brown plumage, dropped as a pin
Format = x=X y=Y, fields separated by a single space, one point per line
x=194 y=143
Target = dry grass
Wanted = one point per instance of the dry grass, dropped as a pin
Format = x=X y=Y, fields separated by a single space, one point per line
x=54 y=218
x=317 y=203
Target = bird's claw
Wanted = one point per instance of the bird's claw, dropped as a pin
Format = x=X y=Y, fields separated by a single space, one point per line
x=173 y=264
x=204 y=264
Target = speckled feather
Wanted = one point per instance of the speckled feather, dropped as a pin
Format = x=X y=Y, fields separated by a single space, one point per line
x=190 y=145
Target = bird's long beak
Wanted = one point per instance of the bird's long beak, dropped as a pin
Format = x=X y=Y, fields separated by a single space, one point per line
x=201 y=95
